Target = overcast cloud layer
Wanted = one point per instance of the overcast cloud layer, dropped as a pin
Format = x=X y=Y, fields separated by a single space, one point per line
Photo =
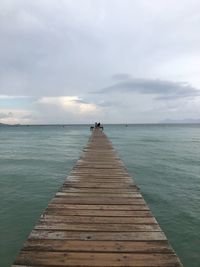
x=117 y=61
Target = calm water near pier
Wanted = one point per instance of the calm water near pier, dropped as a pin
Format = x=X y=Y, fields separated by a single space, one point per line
x=164 y=160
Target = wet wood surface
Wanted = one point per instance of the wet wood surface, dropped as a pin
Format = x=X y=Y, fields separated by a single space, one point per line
x=97 y=218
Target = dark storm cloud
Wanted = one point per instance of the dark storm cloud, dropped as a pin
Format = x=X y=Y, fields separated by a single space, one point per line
x=160 y=88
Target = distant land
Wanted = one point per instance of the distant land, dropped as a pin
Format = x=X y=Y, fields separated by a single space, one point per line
x=166 y=121
x=3 y=124
x=181 y=121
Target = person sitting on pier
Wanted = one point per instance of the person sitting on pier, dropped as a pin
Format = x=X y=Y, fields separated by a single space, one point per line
x=96 y=126
x=99 y=126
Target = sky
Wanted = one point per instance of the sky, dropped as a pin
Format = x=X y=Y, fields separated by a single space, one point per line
x=113 y=61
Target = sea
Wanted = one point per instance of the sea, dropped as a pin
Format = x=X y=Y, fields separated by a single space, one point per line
x=164 y=160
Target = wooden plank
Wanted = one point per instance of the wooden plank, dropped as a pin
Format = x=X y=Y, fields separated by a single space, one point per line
x=98 y=227
x=121 y=195
x=98 y=207
x=99 y=175
x=96 y=259
x=81 y=235
x=103 y=165
x=94 y=219
x=97 y=190
x=102 y=180
x=97 y=246
x=104 y=213
x=100 y=165
x=71 y=184
x=97 y=200
x=97 y=185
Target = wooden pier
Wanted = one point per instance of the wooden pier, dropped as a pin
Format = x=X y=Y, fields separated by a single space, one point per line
x=97 y=218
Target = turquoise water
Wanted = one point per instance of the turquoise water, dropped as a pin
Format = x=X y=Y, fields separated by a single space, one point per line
x=164 y=160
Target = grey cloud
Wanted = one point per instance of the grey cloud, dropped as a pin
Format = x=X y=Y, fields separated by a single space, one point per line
x=162 y=89
x=54 y=47
x=81 y=101
x=29 y=116
x=121 y=76
x=99 y=103
x=108 y=104
x=6 y=115
x=42 y=53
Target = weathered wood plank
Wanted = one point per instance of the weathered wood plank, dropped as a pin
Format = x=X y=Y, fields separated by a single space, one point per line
x=98 y=227
x=96 y=259
x=122 y=195
x=97 y=246
x=97 y=185
x=99 y=175
x=94 y=219
x=104 y=213
x=99 y=207
x=101 y=180
x=81 y=235
x=98 y=190
x=97 y=200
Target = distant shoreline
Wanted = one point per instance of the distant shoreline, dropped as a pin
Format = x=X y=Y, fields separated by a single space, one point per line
x=87 y=124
